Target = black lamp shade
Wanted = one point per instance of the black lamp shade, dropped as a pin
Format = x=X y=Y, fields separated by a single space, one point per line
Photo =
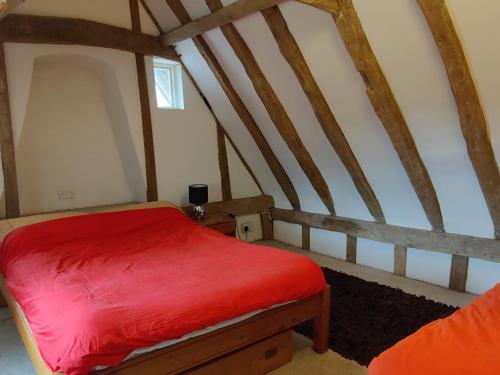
x=198 y=194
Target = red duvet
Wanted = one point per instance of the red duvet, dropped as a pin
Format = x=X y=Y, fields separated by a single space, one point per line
x=96 y=287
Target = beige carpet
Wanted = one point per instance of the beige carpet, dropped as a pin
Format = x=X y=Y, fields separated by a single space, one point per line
x=14 y=359
x=306 y=361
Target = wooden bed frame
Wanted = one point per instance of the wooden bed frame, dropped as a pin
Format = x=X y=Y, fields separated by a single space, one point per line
x=202 y=349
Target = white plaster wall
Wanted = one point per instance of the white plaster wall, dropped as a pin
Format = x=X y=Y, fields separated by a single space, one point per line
x=185 y=145
x=122 y=93
x=71 y=142
x=185 y=141
x=329 y=243
x=242 y=184
x=402 y=42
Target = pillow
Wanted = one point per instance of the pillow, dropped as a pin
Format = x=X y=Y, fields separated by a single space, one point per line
x=5 y=229
x=139 y=206
x=8 y=225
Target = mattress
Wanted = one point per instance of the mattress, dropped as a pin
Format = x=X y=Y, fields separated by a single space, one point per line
x=95 y=288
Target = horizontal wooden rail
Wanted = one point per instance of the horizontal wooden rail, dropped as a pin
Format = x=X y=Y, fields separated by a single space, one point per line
x=58 y=30
x=241 y=206
x=458 y=244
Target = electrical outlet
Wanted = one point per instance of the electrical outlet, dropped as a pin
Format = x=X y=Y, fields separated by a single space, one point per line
x=246 y=227
x=66 y=194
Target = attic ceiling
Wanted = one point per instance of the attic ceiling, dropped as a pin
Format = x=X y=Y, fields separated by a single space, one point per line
x=336 y=76
x=415 y=76
x=370 y=123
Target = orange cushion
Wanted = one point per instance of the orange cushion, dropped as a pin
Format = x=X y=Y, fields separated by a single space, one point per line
x=467 y=342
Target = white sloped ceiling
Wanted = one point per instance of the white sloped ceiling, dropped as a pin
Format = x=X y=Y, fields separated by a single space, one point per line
x=401 y=40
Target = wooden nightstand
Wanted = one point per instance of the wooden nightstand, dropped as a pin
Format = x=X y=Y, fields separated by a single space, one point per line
x=220 y=221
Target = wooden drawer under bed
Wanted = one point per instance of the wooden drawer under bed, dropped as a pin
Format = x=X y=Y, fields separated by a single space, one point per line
x=256 y=359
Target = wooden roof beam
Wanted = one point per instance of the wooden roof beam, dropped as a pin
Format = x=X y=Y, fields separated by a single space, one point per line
x=222 y=16
x=291 y=52
x=472 y=118
x=276 y=168
x=330 y=6
x=387 y=109
x=59 y=30
x=276 y=110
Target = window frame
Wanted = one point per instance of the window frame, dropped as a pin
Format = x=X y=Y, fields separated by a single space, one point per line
x=175 y=81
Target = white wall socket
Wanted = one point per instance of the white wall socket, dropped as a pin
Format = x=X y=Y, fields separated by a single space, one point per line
x=246 y=225
x=66 y=194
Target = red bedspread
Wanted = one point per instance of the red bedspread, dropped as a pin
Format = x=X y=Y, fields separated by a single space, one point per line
x=96 y=287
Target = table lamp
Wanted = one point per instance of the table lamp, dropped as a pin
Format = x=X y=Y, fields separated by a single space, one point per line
x=198 y=196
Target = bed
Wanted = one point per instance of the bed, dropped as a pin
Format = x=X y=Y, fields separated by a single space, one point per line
x=467 y=342
x=147 y=290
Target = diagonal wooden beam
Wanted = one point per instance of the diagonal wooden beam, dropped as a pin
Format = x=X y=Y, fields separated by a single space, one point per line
x=291 y=52
x=240 y=108
x=387 y=109
x=472 y=118
x=7 y=144
x=275 y=109
x=222 y=16
x=329 y=6
x=147 y=124
x=223 y=164
x=151 y=16
x=16 y=28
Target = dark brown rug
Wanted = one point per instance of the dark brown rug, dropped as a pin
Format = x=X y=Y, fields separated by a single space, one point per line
x=368 y=318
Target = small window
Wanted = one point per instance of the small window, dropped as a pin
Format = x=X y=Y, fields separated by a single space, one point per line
x=168 y=83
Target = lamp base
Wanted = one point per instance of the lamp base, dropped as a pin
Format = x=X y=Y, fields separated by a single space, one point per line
x=199 y=212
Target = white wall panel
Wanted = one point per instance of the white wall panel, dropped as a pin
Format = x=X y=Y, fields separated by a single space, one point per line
x=428 y=266
x=375 y=254
x=482 y=276
x=329 y=243
x=417 y=76
x=288 y=233
x=317 y=36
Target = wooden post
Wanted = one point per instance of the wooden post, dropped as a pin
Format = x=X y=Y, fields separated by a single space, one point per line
x=7 y=144
x=400 y=253
x=352 y=251
x=322 y=323
x=306 y=237
x=458 y=272
x=267 y=226
x=147 y=126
